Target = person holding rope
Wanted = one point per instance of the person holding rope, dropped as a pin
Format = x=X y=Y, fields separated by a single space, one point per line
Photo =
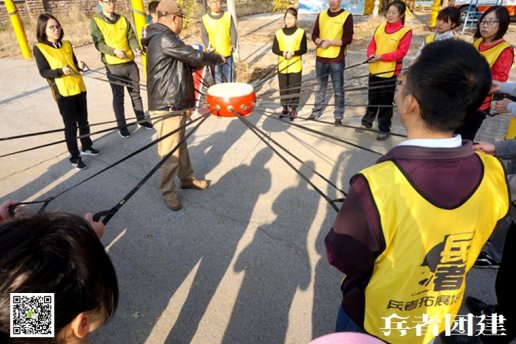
x=410 y=228
x=489 y=41
x=57 y=63
x=61 y=254
x=219 y=36
x=385 y=52
x=114 y=38
x=289 y=44
x=332 y=33
x=170 y=90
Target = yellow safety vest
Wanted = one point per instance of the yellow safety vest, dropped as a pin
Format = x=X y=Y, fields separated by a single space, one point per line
x=386 y=43
x=428 y=250
x=115 y=36
x=331 y=28
x=491 y=55
x=430 y=38
x=67 y=85
x=219 y=33
x=290 y=43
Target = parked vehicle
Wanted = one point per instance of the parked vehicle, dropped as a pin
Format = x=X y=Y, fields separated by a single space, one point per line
x=482 y=5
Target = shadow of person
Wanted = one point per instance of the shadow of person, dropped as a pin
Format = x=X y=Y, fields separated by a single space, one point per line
x=327 y=295
x=208 y=153
x=276 y=265
x=215 y=260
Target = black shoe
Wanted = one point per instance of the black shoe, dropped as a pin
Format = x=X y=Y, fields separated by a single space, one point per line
x=485 y=261
x=478 y=307
x=124 y=133
x=363 y=127
x=338 y=122
x=147 y=125
x=78 y=164
x=383 y=135
x=313 y=116
x=90 y=151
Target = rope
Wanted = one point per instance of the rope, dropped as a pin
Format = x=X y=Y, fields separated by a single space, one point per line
x=252 y=127
x=106 y=215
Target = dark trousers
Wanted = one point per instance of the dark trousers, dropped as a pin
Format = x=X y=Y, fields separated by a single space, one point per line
x=128 y=74
x=290 y=87
x=74 y=111
x=470 y=127
x=504 y=293
x=381 y=92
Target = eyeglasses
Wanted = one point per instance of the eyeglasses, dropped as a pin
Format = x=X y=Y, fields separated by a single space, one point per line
x=488 y=22
x=180 y=15
x=54 y=27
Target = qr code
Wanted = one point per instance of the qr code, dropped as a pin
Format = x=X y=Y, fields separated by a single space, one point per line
x=32 y=314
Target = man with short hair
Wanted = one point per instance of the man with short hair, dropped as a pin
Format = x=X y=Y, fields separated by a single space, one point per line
x=114 y=37
x=219 y=36
x=170 y=91
x=332 y=33
x=414 y=223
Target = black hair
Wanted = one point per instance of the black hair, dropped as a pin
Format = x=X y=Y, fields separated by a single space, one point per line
x=152 y=7
x=55 y=253
x=503 y=17
x=401 y=7
x=450 y=14
x=449 y=80
x=292 y=11
x=41 y=29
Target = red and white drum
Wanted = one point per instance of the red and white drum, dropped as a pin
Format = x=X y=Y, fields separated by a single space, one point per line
x=223 y=99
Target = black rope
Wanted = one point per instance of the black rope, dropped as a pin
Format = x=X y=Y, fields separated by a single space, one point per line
x=250 y=126
x=255 y=128
x=21 y=136
x=341 y=125
x=106 y=215
x=327 y=136
x=48 y=200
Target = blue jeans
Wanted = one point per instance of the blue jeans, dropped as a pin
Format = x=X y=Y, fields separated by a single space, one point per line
x=323 y=71
x=345 y=324
x=224 y=72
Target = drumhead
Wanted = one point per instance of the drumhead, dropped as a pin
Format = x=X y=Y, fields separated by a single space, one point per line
x=230 y=89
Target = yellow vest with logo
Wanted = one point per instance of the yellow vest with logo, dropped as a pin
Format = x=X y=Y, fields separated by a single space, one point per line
x=430 y=38
x=67 y=85
x=115 y=36
x=219 y=33
x=331 y=28
x=290 y=43
x=386 y=43
x=428 y=250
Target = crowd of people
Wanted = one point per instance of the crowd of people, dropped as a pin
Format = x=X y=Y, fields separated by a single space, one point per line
x=422 y=199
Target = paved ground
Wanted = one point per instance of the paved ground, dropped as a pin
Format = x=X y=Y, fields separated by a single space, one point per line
x=244 y=261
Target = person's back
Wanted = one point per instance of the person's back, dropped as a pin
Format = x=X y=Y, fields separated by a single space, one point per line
x=414 y=223
x=60 y=254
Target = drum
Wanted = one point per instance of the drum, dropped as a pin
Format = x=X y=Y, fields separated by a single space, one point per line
x=223 y=99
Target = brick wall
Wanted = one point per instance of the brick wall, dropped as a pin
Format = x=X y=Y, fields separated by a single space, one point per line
x=59 y=8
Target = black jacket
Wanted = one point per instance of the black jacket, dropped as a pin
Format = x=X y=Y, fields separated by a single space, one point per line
x=170 y=64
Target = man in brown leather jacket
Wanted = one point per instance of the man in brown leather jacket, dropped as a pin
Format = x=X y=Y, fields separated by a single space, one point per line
x=170 y=90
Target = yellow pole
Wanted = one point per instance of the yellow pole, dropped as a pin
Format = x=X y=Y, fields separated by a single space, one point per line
x=18 y=29
x=139 y=17
x=435 y=11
